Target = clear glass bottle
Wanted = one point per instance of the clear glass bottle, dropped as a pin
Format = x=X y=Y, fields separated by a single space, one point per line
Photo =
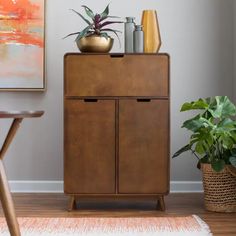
x=129 y=29
x=138 y=39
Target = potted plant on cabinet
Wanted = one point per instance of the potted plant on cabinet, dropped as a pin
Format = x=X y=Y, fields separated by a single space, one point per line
x=94 y=37
x=213 y=142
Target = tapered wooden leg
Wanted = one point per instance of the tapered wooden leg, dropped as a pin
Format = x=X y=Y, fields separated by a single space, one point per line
x=72 y=203
x=158 y=204
x=7 y=203
x=5 y=195
x=161 y=203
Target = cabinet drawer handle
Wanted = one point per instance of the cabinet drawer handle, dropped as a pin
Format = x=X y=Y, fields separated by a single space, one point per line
x=90 y=100
x=116 y=55
x=143 y=100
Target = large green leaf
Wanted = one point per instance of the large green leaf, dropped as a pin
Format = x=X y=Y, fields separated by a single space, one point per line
x=87 y=21
x=89 y=12
x=196 y=123
x=232 y=161
x=200 y=104
x=208 y=137
x=193 y=124
x=194 y=140
x=226 y=140
x=207 y=115
x=233 y=136
x=200 y=147
x=181 y=150
x=222 y=107
x=227 y=124
x=203 y=135
x=218 y=165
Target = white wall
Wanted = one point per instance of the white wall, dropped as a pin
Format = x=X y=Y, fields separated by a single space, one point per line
x=197 y=35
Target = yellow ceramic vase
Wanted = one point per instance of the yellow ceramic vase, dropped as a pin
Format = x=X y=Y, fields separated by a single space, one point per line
x=152 y=37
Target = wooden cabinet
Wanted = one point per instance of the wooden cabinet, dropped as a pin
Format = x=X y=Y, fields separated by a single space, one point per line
x=116 y=125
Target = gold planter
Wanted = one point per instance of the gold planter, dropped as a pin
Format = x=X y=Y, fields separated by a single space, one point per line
x=95 y=44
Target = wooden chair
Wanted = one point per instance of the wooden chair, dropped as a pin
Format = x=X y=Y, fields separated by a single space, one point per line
x=5 y=194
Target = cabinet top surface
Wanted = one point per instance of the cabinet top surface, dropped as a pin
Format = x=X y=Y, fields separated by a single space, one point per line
x=116 y=54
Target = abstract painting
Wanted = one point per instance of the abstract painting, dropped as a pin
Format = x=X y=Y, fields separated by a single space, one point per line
x=22 y=45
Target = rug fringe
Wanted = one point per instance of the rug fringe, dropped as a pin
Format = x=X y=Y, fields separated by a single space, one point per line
x=203 y=224
x=104 y=234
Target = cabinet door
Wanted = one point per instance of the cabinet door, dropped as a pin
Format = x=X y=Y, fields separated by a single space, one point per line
x=89 y=162
x=143 y=146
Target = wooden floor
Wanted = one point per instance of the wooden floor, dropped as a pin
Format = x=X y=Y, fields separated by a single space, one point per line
x=55 y=205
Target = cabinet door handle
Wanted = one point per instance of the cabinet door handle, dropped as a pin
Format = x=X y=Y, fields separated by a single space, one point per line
x=90 y=100
x=143 y=100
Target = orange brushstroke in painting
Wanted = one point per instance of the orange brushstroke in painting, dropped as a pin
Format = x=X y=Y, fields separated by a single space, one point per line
x=21 y=38
x=19 y=9
x=17 y=16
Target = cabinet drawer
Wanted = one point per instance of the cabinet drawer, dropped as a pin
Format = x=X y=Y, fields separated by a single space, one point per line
x=89 y=151
x=144 y=146
x=115 y=75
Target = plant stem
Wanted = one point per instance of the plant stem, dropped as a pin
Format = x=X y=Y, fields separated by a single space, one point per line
x=218 y=149
x=193 y=152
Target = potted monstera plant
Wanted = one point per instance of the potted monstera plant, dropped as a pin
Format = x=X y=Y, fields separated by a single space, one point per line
x=213 y=142
x=94 y=37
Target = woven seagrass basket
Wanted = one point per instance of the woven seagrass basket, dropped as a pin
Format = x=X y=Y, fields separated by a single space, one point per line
x=219 y=188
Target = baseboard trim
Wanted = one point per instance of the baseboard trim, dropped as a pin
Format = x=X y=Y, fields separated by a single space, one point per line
x=36 y=186
x=186 y=187
x=57 y=186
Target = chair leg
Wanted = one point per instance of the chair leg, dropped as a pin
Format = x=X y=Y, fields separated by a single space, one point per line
x=7 y=203
x=11 y=133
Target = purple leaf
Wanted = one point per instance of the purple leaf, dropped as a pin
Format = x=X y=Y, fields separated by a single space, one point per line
x=97 y=18
x=107 y=29
x=110 y=22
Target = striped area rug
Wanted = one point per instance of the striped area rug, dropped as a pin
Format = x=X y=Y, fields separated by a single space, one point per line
x=147 y=226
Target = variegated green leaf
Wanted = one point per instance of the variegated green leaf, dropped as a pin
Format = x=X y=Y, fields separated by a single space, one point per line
x=233 y=161
x=87 y=21
x=84 y=32
x=105 y=13
x=88 y=11
x=113 y=31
